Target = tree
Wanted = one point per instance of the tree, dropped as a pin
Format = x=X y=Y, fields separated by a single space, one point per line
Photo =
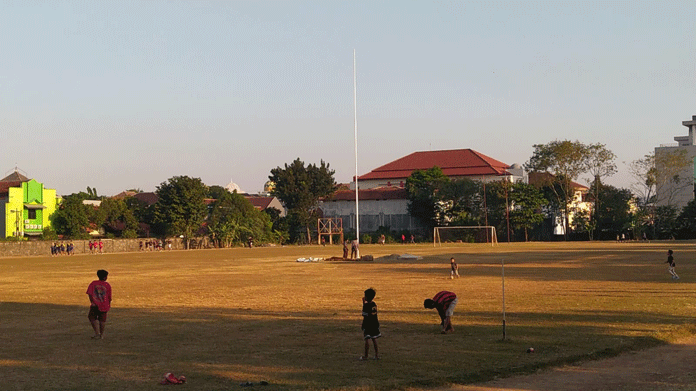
x=180 y=207
x=300 y=188
x=566 y=160
x=527 y=201
x=614 y=214
x=463 y=199
x=92 y=194
x=658 y=177
x=658 y=181
x=72 y=217
x=118 y=218
x=686 y=221
x=600 y=164
x=217 y=192
x=233 y=218
x=424 y=201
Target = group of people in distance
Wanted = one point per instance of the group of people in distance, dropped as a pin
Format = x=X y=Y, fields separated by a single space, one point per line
x=154 y=245
x=62 y=248
x=354 y=247
x=96 y=247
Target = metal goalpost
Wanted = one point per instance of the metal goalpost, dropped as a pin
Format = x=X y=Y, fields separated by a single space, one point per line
x=491 y=236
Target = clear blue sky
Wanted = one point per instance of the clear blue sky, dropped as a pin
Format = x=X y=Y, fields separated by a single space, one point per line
x=126 y=94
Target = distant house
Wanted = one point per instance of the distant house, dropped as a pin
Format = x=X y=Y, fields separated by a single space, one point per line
x=26 y=206
x=263 y=202
x=382 y=197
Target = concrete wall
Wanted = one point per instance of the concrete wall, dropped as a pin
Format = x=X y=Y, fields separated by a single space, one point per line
x=43 y=248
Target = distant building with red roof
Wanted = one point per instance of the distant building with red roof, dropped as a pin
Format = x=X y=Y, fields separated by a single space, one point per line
x=263 y=202
x=382 y=196
x=455 y=164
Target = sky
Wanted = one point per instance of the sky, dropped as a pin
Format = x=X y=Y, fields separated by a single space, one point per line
x=127 y=94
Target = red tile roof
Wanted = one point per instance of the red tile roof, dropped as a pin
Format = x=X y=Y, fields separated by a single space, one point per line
x=148 y=198
x=454 y=163
x=259 y=202
x=124 y=194
x=379 y=193
x=15 y=177
x=545 y=178
x=5 y=186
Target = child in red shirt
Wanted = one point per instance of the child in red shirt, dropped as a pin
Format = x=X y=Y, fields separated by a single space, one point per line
x=99 y=292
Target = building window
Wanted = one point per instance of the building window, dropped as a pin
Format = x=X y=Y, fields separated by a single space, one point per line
x=31 y=214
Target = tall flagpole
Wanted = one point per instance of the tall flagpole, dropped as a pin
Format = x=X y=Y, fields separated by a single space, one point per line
x=355 y=121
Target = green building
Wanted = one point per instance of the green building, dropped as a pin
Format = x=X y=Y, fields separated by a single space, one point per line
x=25 y=206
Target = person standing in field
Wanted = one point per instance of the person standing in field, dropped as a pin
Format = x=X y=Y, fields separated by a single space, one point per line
x=354 y=246
x=454 y=268
x=370 y=323
x=672 y=265
x=99 y=292
x=345 y=249
x=444 y=302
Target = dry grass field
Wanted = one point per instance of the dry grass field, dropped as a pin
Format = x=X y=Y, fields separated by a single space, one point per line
x=223 y=317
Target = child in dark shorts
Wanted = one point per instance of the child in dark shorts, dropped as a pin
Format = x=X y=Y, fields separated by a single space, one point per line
x=99 y=292
x=370 y=323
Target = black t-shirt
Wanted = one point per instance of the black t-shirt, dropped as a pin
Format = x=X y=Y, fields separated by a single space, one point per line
x=369 y=313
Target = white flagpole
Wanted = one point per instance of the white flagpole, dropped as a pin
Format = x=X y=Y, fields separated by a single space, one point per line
x=355 y=121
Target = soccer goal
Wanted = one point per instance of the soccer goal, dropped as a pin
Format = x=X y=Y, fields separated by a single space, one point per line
x=465 y=234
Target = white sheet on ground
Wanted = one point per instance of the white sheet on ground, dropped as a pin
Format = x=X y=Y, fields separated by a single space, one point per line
x=410 y=256
x=310 y=259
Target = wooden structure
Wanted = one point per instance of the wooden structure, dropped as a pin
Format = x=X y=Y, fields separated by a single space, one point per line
x=330 y=226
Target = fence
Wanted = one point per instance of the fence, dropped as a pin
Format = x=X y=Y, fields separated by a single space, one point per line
x=43 y=247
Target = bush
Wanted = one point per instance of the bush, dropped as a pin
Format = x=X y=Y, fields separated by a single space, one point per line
x=366 y=238
x=49 y=234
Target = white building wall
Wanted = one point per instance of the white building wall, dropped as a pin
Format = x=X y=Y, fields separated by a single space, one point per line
x=373 y=214
x=685 y=192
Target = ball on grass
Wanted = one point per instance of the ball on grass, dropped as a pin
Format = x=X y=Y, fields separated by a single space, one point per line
x=530 y=350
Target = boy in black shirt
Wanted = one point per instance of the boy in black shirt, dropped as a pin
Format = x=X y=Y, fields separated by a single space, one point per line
x=670 y=261
x=370 y=324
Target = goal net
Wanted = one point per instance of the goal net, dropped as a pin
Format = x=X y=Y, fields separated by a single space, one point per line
x=465 y=234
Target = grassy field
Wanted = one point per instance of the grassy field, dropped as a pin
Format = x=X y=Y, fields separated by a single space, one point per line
x=223 y=317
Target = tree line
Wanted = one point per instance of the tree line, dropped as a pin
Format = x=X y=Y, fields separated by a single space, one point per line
x=530 y=210
x=189 y=209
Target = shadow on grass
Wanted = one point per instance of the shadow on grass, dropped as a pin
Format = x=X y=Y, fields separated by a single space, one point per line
x=49 y=347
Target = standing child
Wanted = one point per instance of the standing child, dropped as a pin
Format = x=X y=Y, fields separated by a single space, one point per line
x=345 y=249
x=99 y=292
x=454 y=267
x=370 y=324
x=672 y=265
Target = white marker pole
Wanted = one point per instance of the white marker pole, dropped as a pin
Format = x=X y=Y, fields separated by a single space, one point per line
x=355 y=105
x=502 y=262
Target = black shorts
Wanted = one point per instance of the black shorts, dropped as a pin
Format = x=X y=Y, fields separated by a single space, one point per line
x=95 y=314
x=371 y=333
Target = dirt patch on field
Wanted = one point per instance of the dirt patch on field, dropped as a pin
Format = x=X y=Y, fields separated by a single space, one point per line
x=668 y=367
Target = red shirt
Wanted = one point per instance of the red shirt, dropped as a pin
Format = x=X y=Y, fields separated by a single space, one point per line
x=444 y=299
x=100 y=294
